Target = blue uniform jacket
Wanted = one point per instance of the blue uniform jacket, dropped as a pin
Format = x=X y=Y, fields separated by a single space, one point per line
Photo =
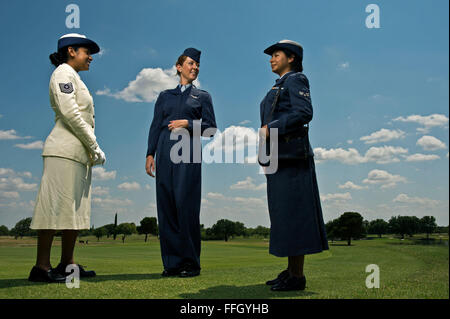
x=195 y=104
x=294 y=108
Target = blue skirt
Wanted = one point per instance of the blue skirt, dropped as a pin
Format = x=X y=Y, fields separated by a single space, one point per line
x=297 y=226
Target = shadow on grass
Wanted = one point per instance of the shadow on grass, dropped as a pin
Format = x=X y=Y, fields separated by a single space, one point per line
x=244 y=292
x=9 y=283
x=420 y=241
x=333 y=244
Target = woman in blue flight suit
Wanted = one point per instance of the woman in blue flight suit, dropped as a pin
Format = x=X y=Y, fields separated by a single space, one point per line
x=178 y=185
x=297 y=226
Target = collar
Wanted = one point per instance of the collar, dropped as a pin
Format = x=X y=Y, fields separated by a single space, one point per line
x=184 y=87
x=281 y=79
x=70 y=69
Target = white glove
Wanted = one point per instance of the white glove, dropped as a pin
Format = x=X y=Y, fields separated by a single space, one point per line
x=99 y=157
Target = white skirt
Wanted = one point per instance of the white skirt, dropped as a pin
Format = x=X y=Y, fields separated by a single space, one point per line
x=64 y=197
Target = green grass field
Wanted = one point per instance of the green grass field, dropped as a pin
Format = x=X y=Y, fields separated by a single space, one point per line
x=233 y=269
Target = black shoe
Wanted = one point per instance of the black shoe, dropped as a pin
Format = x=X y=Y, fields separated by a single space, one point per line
x=281 y=276
x=83 y=273
x=170 y=272
x=189 y=272
x=290 y=283
x=40 y=275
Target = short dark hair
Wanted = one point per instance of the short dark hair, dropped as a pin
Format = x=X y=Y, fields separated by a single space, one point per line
x=180 y=61
x=62 y=56
x=297 y=64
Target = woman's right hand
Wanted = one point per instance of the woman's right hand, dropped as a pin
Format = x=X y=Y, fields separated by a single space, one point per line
x=150 y=166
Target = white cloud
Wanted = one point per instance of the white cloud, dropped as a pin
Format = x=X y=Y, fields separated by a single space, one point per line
x=350 y=156
x=129 y=186
x=384 y=155
x=235 y=142
x=148 y=84
x=9 y=195
x=351 y=185
x=215 y=195
x=37 y=145
x=102 y=52
x=99 y=190
x=350 y=141
x=403 y=198
x=250 y=201
x=430 y=143
x=421 y=157
x=383 y=135
x=248 y=184
x=244 y=122
x=386 y=179
x=99 y=173
x=433 y=120
x=6 y=171
x=379 y=155
x=336 y=197
x=343 y=65
x=11 y=172
x=12 y=182
x=11 y=135
x=110 y=202
x=245 y=201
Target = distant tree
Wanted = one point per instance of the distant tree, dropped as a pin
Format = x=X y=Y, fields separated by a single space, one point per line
x=109 y=229
x=100 y=232
x=365 y=227
x=332 y=229
x=442 y=230
x=85 y=232
x=22 y=228
x=115 y=230
x=262 y=231
x=404 y=225
x=239 y=229
x=126 y=229
x=378 y=226
x=4 y=230
x=149 y=225
x=350 y=225
x=224 y=228
x=428 y=225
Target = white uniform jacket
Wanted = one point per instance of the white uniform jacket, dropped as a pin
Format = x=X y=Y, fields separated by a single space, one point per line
x=73 y=134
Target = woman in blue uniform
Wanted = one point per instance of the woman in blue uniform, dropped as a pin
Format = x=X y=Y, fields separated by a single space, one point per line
x=297 y=226
x=178 y=184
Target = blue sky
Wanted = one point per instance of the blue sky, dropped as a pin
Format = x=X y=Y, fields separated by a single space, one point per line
x=380 y=98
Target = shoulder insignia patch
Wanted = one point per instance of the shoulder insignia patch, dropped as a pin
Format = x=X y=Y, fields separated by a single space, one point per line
x=66 y=87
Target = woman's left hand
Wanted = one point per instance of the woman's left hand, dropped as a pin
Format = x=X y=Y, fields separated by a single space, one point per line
x=266 y=130
x=177 y=124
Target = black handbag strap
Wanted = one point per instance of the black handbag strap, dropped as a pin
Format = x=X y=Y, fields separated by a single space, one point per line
x=275 y=101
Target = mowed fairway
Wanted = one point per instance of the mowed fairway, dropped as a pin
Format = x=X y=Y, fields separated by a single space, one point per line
x=234 y=269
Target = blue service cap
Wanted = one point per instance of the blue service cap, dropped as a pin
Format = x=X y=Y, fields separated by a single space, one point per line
x=194 y=54
x=290 y=45
x=78 y=40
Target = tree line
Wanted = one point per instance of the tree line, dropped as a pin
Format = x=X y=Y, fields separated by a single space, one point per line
x=351 y=225
x=348 y=226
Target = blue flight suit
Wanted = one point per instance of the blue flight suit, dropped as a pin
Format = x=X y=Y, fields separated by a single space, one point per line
x=297 y=226
x=178 y=185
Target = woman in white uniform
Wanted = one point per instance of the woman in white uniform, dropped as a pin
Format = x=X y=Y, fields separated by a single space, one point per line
x=63 y=202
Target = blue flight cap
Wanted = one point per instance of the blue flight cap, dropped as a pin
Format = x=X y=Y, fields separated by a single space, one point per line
x=289 y=45
x=194 y=54
x=75 y=39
